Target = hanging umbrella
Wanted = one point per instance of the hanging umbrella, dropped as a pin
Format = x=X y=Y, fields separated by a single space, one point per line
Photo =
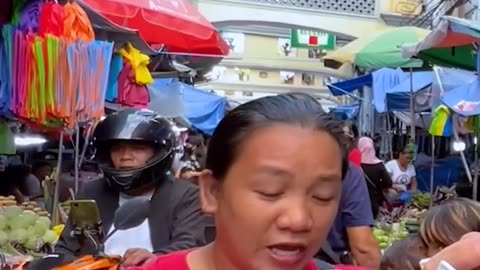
x=176 y=24
x=378 y=50
x=451 y=44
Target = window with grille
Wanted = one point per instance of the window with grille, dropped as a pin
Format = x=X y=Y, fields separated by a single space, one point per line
x=360 y=7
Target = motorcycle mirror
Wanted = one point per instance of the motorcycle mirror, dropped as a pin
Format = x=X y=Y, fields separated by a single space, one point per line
x=132 y=213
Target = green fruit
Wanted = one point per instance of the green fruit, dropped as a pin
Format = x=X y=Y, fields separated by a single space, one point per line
x=49 y=237
x=3 y=238
x=12 y=211
x=18 y=236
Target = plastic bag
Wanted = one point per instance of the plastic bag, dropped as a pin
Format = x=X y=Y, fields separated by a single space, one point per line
x=77 y=26
x=52 y=19
x=29 y=17
x=139 y=63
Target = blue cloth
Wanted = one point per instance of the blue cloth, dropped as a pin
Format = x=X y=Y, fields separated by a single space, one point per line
x=166 y=98
x=116 y=66
x=354 y=210
x=406 y=197
x=384 y=79
x=203 y=110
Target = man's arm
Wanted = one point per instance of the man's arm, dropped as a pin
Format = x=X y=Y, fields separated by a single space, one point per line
x=358 y=219
x=189 y=223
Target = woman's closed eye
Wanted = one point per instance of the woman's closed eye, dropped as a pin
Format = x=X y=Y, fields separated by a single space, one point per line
x=323 y=198
x=270 y=195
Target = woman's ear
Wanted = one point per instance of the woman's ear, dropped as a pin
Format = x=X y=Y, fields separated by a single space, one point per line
x=208 y=191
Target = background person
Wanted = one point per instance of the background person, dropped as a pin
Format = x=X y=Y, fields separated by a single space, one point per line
x=445 y=224
x=135 y=150
x=403 y=172
x=378 y=179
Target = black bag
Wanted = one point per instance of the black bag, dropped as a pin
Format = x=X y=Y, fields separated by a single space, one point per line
x=321 y=265
x=327 y=254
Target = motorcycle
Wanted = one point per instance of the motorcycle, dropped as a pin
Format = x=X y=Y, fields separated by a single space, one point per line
x=124 y=219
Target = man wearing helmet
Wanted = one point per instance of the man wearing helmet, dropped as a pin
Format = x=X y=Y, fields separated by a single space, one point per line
x=135 y=150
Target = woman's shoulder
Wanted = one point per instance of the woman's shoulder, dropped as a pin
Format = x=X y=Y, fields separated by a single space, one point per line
x=391 y=162
x=175 y=260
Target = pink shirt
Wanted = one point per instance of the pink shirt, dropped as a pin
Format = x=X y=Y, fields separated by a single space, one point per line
x=178 y=261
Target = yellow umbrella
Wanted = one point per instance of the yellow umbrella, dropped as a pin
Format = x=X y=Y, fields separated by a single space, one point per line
x=378 y=49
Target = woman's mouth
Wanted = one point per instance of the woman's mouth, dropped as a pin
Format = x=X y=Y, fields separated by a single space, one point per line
x=287 y=254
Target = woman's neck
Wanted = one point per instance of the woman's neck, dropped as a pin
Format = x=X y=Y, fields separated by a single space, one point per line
x=210 y=257
x=401 y=165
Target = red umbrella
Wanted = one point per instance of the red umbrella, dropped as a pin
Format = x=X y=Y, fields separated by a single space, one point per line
x=174 y=23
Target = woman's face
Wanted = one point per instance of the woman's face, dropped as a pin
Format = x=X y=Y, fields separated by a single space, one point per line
x=278 y=200
x=405 y=157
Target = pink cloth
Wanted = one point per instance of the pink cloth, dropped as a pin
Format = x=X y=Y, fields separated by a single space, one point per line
x=129 y=93
x=367 y=148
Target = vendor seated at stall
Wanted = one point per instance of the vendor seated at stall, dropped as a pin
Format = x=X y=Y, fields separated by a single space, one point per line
x=135 y=149
x=403 y=172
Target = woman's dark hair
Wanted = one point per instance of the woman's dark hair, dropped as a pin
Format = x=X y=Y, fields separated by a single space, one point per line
x=304 y=96
x=354 y=130
x=404 y=254
x=243 y=121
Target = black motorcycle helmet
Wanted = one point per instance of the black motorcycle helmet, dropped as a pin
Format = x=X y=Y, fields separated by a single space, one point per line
x=135 y=126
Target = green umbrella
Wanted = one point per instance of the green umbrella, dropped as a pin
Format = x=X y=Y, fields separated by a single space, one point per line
x=451 y=44
x=378 y=50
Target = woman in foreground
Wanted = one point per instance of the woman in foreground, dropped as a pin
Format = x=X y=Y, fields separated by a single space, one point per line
x=273 y=180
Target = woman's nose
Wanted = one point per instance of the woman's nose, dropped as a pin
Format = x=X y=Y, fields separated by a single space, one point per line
x=296 y=217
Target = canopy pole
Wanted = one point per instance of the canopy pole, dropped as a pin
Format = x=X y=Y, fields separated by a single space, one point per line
x=476 y=127
x=462 y=153
x=432 y=171
x=58 y=173
x=412 y=109
x=77 y=154
x=475 y=175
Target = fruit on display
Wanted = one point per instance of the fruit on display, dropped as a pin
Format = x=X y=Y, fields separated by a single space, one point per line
x=413 y=226
x=25 y=228
x=386 y=235
x=422 y=200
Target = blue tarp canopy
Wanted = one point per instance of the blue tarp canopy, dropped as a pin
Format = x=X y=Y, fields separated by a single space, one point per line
x=346 y=111
x=391 y=87
x=172 y=98
x=465 y=99
x=349 y=86
x=398 y=97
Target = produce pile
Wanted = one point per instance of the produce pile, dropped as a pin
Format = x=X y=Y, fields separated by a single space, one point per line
x=24 y=229
x=387 y=235
x=422 y=200
x=398 y=222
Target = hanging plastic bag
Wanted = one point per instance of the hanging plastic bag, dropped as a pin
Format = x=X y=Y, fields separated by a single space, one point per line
x=29 y=17
x=139 y=63
x=130 y=93
x=17 y=6
x=52 y=19
x=77 y=26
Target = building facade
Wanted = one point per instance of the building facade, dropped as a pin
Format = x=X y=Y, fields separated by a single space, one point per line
x=264 y=59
